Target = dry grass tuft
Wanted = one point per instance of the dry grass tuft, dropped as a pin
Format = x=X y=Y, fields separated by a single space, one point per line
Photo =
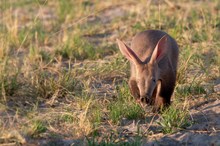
x=62 y=77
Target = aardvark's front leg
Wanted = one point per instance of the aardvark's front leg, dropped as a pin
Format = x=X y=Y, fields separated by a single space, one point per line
x=160 y=101
x=134 y=89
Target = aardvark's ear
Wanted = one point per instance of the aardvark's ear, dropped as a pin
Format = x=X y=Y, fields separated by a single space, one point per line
x=160 y=50
x=128 y=52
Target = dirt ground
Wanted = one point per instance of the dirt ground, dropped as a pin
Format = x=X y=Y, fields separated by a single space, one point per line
x=205 y=113
x=204 y=131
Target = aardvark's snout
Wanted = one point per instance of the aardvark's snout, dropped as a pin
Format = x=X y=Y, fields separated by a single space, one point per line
x=145 y=99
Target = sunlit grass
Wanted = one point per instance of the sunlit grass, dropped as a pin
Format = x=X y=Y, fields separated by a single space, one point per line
x=59 y=61
x=174 y=118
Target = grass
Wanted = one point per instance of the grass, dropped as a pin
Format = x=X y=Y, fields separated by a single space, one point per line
x=60 y=66
x=174 y=119
x=107 y=142
x=8 y=80
x=37 y=128
x=124 y=106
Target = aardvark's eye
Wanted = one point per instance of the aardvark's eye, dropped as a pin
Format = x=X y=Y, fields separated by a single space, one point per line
x=154 y=80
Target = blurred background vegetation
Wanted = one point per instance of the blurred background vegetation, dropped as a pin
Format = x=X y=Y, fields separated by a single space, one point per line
x=62 y=76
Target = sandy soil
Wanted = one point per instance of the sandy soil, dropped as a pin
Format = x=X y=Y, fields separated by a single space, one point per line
x=204 y=131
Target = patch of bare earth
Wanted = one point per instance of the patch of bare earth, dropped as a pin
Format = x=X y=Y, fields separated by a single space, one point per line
x=204 y=131
x=205 y=114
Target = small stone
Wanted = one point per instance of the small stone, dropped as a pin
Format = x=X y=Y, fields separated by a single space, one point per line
x=217 y=88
